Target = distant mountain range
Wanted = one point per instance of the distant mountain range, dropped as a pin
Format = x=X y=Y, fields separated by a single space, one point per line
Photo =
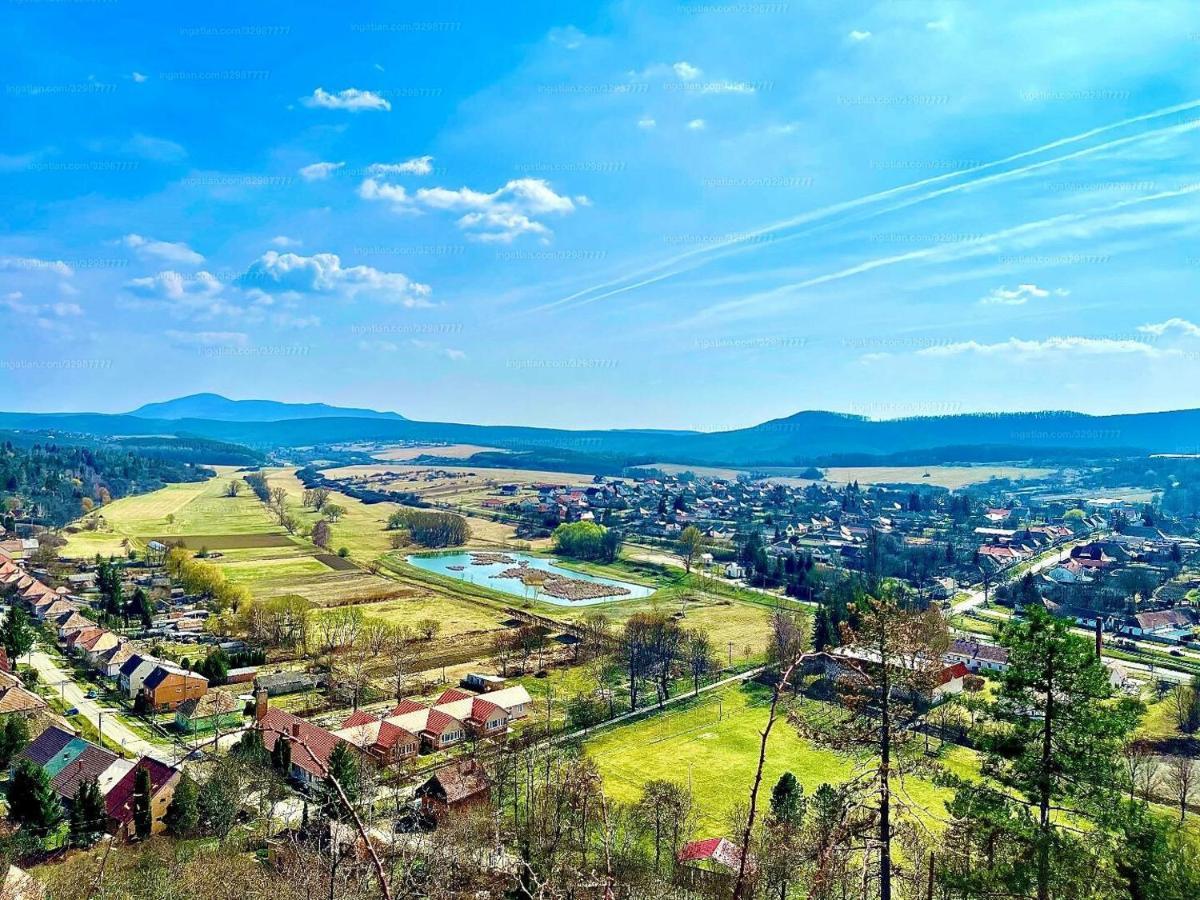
x=799 y=440
x=222 y=409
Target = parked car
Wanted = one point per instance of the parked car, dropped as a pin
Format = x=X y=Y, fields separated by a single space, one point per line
x=73 y=711
x=91 y=695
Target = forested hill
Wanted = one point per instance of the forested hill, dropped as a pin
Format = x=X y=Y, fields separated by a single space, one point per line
x=51 y=483
x=801 y=439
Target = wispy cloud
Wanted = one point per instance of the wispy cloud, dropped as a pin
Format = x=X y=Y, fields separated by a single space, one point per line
x=1176 y=324
x=1020 y=295
x=418 y=165
x=175 y=252
x=1053 y=346
x=351 y=99
x=319 y=171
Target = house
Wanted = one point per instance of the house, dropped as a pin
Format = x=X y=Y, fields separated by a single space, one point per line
x=312 y=745
x=978 y=657
x=382 y=740
x=941 y=678
x=14 y=698
x=134 y=672
x=484 y=683
x=110 y=661
x=459 y=787
x=710 y=865
x=214 y=711
x=734 y=570
x=168 y=686
x=120 y=800
x=280 y=683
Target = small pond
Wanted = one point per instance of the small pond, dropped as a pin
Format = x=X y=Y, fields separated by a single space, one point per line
x=521 y=575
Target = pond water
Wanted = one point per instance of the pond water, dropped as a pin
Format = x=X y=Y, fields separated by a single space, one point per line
x=461 y=566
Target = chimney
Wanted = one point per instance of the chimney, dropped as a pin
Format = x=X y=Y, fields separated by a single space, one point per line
x=1099 y=637
x=260 y=704
x=295 y=729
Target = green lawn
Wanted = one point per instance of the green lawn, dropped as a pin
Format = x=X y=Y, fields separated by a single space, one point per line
x=713 y=743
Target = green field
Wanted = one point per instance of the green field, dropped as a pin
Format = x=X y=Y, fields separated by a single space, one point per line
x=714 y=743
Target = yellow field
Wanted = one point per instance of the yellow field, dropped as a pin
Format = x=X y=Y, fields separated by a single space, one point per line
x=951 y=477
x=452 y=451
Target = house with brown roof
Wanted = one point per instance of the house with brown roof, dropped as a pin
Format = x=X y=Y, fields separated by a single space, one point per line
x=215 y=710
x=461 y=786
x=120 y=800
x=14 y=698
x=168 y=686
x=384 y=741
x=309 y=766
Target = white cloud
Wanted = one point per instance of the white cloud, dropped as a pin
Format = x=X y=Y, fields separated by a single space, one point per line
x=455 y=354
x=938 y=25
x=696 y=125
x=209 y=338
x=63 y=310
x=282 y=240
x=138 y=77
x=567 y=36
x=32 y=264
x=351 y=99
x=726 y=87
x=419 y=165
x=1183 y=326
x=323 y=273
x=171 y=285
x=857 y=35
x=319 y=171
x=686 y=71
x=172 y=252
x=499 y=216
x=646 y=122
x=1020 y=295
x=377 y=346
x=1053 y=346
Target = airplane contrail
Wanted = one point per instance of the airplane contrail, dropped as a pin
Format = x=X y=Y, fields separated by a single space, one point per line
x=843 y=206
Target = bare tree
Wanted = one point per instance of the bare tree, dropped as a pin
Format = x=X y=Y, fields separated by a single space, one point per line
x=1182 y=780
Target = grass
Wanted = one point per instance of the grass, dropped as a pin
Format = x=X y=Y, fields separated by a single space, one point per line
x=455 y=615
x=714 y=742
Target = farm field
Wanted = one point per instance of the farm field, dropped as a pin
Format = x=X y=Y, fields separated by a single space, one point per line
x=450 y=451
x=714 y=744
x=951 y=477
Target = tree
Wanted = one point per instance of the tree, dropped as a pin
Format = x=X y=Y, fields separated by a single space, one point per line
x=1182 y=780
x=343 y=770
x=143 y=814
x=1053 y=740
x=14 y=737
x=429 y=628
x=281 y=755
x=698 y=651
x=333 y=511
x=88 y=814
x=665 y=809
x=780 y=857
x=233 y=488
x=893 y=662
x=320 y=533
x=32 y=799
x=16 y=633
x=183 y=813
x=691 y=542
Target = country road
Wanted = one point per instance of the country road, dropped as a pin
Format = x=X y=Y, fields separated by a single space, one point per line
x=101 y=718
x=1050 y=558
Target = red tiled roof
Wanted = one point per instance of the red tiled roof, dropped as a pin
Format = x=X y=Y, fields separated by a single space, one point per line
x=718 y=850
x=86 y=766
x=450 y=695
x=407 y=706
x=483 y=710
x=439 y=722
x=361 y=717
x=318 y=740
x=120 y=799
x=948 y=674
x=390 y=735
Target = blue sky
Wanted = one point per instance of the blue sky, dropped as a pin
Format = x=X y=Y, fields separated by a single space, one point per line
x=698 y=215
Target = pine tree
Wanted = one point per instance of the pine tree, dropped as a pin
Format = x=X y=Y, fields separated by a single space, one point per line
x=14 y=736
x=281 y=756
x=143 y=815
x=344 y=768
x=32 y=799
x=88 y=814
x=183 y=814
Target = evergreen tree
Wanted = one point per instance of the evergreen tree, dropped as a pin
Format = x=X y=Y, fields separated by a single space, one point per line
x=1052 y=742
x=281 y=756
x=14 y=736
x=32 y=799
x=16 y=633
x=344 y=768
x=143 y=815
x=88 y=814
x=183 y=814
x=787 y=800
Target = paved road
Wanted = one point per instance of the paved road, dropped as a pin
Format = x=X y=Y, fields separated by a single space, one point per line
x=50 y=674
x=1052 y=558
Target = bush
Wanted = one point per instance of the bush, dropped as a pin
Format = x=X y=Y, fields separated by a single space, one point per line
x=431 y=529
